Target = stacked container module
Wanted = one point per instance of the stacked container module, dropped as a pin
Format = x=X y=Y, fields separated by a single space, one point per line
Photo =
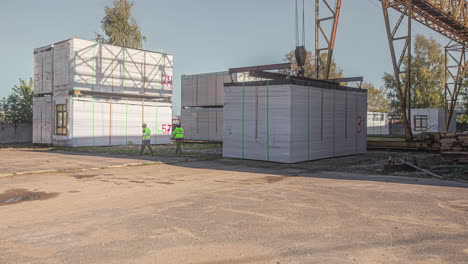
x=94 y=94
x=203 y=101
x=291 y=121
x=202 y=105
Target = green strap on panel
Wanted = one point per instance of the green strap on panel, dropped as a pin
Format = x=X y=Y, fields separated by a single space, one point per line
x=126 y=122
x=268 y=118
x=243 y=120
x=94 y=82
x=72 y=116
x=94 y=138
x=156 y=129
x=126 y=101
x=208 y=125
x=308 y=123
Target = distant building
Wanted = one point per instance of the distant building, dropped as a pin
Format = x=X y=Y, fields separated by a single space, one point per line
x=422 y=120
x=377 y=124
x=431 y=120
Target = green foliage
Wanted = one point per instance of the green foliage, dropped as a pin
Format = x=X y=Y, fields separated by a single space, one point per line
x=310 y=67
x=427 y=78
x=464 y=95
x=120 y=27
x=462 y=119
x=17 y=107
x=197 y=151
x=377 y=101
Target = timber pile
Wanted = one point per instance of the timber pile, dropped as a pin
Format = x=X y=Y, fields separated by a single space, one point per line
x=454 y=147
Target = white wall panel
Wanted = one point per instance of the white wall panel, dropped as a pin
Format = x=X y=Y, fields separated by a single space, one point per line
x=340 y=123
x=37 y=72
x=92 y=125
x=42 y=120
x=62 y=64
x=208 y=89
x=43 y=71
x=203 y=124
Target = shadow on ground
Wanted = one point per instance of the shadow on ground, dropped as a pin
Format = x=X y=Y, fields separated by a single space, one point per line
x=365 y=167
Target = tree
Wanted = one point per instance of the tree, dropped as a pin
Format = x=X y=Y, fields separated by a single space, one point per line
x=17 y=107
x=120 y=27
x=310 y=67
x=463 y=118
x=377 y=100
x=427 y=75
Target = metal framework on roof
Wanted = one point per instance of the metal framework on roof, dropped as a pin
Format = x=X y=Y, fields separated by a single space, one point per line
x=447 y=17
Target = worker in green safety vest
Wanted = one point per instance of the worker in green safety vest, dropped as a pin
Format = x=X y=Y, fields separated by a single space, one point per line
x=178 y=135
x=146 y=140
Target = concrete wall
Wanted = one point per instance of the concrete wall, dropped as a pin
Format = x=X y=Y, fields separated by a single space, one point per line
x=15 y=133
x=462 y=127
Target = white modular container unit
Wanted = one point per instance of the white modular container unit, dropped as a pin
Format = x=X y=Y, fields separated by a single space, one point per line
x=93 y=94
x=208 y=89
x=377 y=124
x=78 y=64
x=98 y=121
x=430 y=120
x=202 y=102
x=203 y=124
x=291 y=121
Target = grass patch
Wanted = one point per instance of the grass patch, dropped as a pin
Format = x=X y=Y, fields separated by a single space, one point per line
x=100 y=150
x=385 y=139
x=459 y=172
x=22 y=146
x=199 y=151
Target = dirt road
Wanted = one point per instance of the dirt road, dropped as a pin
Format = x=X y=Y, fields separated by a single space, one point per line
x=224 y=211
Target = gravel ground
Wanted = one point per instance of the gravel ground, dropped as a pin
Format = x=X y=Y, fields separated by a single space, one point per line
x=231 y=211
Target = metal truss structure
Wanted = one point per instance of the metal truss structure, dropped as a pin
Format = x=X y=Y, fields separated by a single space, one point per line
x=332 y=16
x=399 y=33
x=447 y=17
x=456 y=65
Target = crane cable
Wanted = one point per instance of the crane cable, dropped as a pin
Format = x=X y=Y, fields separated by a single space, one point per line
x=303 y=23
x=298 y=42
x=297 y=25
x=300 y=51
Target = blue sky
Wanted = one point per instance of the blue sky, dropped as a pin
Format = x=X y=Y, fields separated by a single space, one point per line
x=203 y=35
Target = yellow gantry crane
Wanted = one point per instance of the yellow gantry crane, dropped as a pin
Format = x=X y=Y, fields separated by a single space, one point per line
x=447 y=17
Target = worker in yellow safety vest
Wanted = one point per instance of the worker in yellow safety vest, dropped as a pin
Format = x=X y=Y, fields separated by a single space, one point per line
x=146 y=140
x=178 y=135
